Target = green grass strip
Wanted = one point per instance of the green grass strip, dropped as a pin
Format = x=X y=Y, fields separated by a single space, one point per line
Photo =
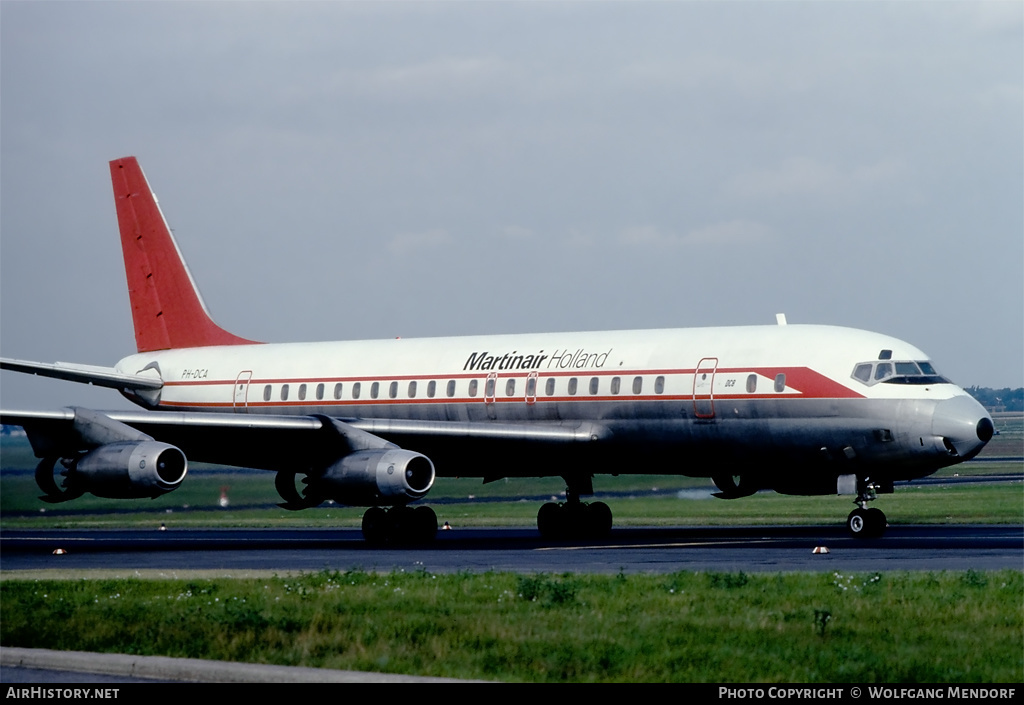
x=893 y=627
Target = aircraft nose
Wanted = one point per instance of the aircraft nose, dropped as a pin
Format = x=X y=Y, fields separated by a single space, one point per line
x=963 y=424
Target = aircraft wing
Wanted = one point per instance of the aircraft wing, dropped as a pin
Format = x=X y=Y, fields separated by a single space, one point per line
x=285 y=443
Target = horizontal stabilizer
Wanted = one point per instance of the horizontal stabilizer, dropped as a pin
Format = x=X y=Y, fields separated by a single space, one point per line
x=86 y=374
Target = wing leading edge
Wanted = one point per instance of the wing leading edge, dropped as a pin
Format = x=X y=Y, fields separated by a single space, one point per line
x=276 y=443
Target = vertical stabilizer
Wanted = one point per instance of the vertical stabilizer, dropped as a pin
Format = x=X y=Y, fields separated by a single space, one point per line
x=167 y=310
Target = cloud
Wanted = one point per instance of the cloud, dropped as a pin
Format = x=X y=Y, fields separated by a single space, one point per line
x=517 y=233
x=411 y=243
x=732 y=232
x=805 y=178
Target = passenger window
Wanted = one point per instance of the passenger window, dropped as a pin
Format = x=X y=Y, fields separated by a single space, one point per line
x=431 y=388
x=302 y=392
x=451 y=388
x=659 y=384
x=489 y=387
x=615 y=385
x=638 y=385
x=531 y=387
x=266 y=393
x=862 y=372
x=356 y=389
x=320 y=391
x=412 y=389
x=337 y=391
x=510 y=388
x=374 y=390
x=393 y=390
x=594 y=383
x=284 y=392
x=572 y=385
x=472 y=387
x=751 y=384
x=549 y=386
x=780 y=382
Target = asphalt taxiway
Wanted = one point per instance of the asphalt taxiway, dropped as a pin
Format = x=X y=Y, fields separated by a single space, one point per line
x=631 y=550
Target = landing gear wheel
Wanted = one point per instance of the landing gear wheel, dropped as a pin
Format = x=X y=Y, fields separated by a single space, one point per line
x=375 y=525
x=400 y=525
x=866 y=523
x=857 y=523
x=574 y=520
x=876 y=522
x=426 y=524
x=600 y=519
x=549 y=520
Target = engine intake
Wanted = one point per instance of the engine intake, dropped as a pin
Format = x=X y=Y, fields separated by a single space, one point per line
x=127 y=470
x=369 y=478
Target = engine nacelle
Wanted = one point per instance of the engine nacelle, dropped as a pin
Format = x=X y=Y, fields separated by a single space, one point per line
x=368 y=478
x=128 y=470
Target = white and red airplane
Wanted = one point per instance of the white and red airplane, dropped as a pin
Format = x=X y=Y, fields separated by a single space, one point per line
x=798 y=409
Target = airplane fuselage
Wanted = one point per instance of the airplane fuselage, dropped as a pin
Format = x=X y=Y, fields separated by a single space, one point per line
x=761 y=400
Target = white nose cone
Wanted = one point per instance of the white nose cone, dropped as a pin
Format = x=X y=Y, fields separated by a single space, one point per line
x=964 y=425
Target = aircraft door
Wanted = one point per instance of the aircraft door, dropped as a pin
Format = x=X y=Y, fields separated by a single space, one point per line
x=491 y=394
x=704 y=388
x=490 y=388
x=241 y=400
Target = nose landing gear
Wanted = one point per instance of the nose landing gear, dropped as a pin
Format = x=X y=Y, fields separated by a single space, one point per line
x=863 y=522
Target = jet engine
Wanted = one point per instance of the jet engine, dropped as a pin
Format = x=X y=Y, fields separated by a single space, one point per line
x=368 y=478
x=122 y=470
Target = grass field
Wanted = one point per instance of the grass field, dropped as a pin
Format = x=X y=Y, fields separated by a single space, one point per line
x=687 y=627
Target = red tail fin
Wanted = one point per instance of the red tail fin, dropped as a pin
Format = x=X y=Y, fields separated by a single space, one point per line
x=167 y=309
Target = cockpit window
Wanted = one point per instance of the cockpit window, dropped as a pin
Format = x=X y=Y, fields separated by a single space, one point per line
x=907 y=368
x=900 y=372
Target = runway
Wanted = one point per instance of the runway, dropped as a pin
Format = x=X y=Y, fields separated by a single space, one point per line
x=630 y=550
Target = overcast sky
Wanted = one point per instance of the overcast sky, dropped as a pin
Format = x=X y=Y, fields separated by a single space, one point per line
x=349 y=170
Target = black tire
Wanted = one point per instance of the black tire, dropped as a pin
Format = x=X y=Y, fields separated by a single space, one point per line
x=426 y=524
x=599 y=519
x=550 y=521
x=404 y=524
x=876 y=522
x=375 y=525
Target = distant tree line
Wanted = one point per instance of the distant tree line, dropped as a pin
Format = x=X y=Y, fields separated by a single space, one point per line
x=1004 y=399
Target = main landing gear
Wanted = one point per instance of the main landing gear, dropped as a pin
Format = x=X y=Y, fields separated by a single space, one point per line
x=400 y=524
x=863 y=522
x=573 y=518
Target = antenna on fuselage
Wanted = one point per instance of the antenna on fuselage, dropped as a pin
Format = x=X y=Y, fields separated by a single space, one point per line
x=780 y=318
